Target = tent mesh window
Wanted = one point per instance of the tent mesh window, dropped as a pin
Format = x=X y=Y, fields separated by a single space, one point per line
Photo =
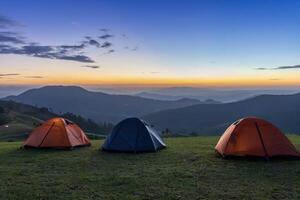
x=68 y=122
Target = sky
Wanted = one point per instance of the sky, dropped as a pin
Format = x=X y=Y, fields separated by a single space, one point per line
x=149 y=43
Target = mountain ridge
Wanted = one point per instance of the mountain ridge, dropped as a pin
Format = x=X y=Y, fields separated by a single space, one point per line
x=282 y=110
x=217 y=95
x=98 y=106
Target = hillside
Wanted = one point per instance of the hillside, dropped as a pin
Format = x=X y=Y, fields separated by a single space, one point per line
x=17 y=120
x=282 y=110
x=95 y=105
x=187 y=169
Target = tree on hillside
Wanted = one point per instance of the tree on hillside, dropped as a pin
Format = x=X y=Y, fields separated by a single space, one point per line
x=89 y=125
x=4 y=118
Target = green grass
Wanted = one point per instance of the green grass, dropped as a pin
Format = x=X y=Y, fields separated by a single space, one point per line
x=14 y=131
x=19 y=127
x=187 y=169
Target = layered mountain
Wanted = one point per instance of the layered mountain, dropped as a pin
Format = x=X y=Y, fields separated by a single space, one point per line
x=100 y=107
x=209 y=95
x=212 y=119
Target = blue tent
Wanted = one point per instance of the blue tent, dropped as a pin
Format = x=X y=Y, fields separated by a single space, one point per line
x=133 y=135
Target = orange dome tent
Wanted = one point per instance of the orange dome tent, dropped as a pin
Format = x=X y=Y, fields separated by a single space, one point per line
x=255 y=137
x=57 y=133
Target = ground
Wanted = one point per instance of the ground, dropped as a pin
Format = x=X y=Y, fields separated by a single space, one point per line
x=187 y=169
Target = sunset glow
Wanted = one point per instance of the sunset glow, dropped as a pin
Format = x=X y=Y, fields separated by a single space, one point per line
x=201 y=44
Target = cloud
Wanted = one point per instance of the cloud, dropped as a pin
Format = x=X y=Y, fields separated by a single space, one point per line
x=15 y=43
x=11 y=37
x=104 y=29
x=131 y=49
x=90 y=41
x=4 y=75
x=92 y=66
x=261 y=68
x=6 y=22
x=288 y=67
x=105 y=36
x=279 y=68
x=33 y=77
x=36 y=49
x=72 y=47
x=110 y=51
x=106 y=45
x=79 y=58
x=274 y=79
x=94 y=43
x=51 y=52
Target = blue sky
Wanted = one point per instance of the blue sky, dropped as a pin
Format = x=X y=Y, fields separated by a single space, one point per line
x=209 y=42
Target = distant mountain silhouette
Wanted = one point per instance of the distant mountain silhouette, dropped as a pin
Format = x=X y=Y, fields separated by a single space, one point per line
x=150 y=95
x=212 y=119
x=217 y=95
x=95 y=105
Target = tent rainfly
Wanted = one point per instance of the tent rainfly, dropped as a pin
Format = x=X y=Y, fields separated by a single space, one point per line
x=255 y=137
x=133 y=135
x=57 y=133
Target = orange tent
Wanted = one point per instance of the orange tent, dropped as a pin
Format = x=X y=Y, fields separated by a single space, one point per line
x=255 y=137
x=57 y=133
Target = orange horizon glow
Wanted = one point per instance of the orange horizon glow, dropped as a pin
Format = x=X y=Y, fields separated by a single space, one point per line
x=157 y=82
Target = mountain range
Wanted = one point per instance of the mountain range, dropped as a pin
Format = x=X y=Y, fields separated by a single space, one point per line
x=212 y=119
x=100 y=107
x=183 y=116
x=210 y=95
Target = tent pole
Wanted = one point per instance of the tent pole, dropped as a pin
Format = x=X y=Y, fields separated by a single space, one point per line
x=262 y=142
x=47 y=133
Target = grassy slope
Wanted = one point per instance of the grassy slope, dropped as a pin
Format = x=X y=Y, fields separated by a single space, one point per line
x=188 y=169
x=19 y=127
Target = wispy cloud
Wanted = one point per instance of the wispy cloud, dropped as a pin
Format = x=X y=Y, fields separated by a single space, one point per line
x=110 y=51
x=15 y=43
x=51 y=52
x=288 y=67
x=11 y=37
x=105 y=36
x=72 y=47
x=6 y=22
x=79 y=58
x=261 y=68
x=4 y=75
x=131 y=49
x=279 y=68
x=91 y=66
x=37 y=77
x=104 y=29
x=92 y=42
x=106 y=45
x=274 y=79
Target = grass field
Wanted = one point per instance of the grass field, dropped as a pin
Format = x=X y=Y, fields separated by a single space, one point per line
x=19 y=127
x=187 y=169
